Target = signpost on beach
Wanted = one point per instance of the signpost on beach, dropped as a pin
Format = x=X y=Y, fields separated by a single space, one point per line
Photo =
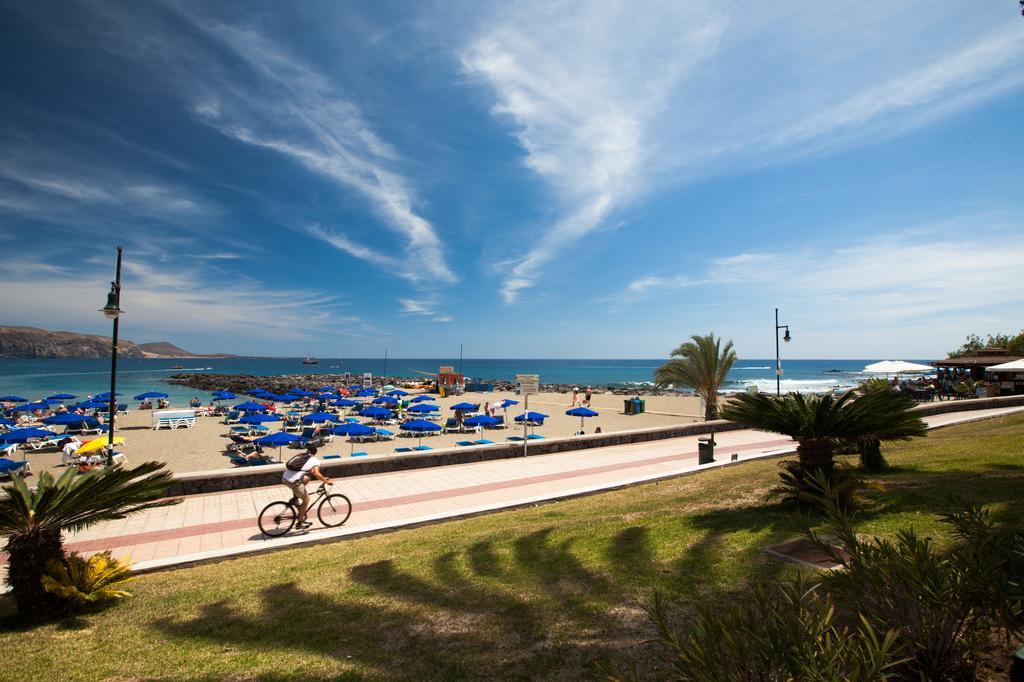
x=527 y=385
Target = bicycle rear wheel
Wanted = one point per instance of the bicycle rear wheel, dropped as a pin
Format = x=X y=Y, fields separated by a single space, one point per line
x=277 y=518
x=334 y=510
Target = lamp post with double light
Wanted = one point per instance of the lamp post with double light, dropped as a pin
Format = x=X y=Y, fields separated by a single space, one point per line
x=112 y=311
x=778 y=360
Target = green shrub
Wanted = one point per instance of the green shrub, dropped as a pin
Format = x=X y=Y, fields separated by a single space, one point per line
x=946 y=605
x=786 y=632
x=943 y=611
x=83 y=583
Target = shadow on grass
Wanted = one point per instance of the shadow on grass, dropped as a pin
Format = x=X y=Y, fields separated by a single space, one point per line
x=529 y=607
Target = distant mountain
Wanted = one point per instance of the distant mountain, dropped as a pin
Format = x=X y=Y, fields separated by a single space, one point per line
x=166 y=349
x=31 y=342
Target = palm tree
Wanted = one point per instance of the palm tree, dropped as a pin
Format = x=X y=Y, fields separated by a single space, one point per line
x=820 y=423
x=34 y=520
x=701 y=364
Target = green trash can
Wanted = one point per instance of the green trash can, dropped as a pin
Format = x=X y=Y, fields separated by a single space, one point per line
x=628 y=406
x=641 y=406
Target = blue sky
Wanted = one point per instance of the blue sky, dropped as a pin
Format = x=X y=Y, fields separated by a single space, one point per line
x=531 y=179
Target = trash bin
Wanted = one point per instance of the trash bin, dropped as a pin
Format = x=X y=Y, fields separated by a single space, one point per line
x=641 y=406
x=627 y=406
x=706 y=450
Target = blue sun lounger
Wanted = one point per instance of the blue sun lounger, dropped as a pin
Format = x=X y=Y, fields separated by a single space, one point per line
x=9 y=467
x=465 y=443
x=403 y=449
x=483 y=441
x=423 y=447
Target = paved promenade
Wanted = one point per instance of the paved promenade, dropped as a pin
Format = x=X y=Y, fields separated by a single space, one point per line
x=223 y=524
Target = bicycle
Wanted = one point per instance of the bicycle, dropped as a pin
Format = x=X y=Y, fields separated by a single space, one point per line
x=277 y=518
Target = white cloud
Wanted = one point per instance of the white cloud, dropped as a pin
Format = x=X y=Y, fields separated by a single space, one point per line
x=959 y=268
x=423 y=307
x=157 y=299
x=581 y=92
x=293 y=110
x=611 y=101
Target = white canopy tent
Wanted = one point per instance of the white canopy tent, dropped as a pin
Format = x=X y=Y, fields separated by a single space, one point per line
x=897 y=367
x=1014 y=366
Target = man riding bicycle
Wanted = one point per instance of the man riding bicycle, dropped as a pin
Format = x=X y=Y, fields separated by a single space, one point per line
x=298 y=472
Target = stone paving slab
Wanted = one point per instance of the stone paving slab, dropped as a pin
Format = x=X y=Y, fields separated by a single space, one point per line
x=215 y=525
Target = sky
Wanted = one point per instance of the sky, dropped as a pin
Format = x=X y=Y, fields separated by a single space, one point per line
x=529 y=179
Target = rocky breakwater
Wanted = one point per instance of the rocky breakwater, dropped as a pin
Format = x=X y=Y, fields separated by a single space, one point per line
x=242 y=383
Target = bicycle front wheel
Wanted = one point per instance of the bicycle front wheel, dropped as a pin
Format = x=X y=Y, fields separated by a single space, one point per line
x=334 y=510
x=277 y=518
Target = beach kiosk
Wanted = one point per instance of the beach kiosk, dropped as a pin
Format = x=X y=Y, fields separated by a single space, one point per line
x=450 y=382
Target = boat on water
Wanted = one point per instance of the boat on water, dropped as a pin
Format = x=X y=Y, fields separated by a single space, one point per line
x=310 y=360
x=177 y=367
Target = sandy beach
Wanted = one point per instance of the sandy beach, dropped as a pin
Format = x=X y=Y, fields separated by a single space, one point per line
x=202 y=448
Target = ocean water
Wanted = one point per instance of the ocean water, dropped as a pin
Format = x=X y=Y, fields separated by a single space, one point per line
x=39 y=378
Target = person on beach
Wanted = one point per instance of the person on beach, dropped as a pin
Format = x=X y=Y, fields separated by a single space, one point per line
x=586 y=396
x=575 y=396
x=296 y=480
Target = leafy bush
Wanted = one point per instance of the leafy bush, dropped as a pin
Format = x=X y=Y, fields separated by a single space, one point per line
x=84 y=583
x=788 y=632
x=797 y=485
x=942 y=610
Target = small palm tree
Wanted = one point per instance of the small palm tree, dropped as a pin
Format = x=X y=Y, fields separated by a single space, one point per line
x=34 y=520
x=701 y=364
x=820 y=423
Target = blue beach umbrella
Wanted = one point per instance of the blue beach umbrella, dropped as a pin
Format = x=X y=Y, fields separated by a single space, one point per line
x=482 y=420
x=420 y=426
x=31 y=407
x=375 y=413
x=326 y=389
x=424 y=409
x=106 y=394
x=302 y=393
x=505 y=404
x=6 y=422
x=532 y=417
x=277 y=440
x=258 y=392
x=22 y=435
x=464 y=407
x=251 y=406
x=582 y=413
x=12 y=399
x=223 y=395
x=385 y=400
x=259 y=418
x=366 y=393
x=423 y=399
x=61 y=397
x=150 y=394
x=319 y=417
x=70 y=418
x=89 y=405
x=352 y=430
x=346 y=402
x=397 y=393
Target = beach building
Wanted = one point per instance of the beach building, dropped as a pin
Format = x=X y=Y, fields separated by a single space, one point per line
x=974 y=366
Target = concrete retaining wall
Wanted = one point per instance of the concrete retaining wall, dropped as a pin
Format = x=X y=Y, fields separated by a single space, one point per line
x=252 y=477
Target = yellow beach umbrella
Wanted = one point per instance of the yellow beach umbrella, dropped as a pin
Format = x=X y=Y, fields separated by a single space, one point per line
x=97 y=443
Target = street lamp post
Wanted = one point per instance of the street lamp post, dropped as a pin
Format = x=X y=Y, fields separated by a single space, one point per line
x=112 y=311
x=778 y=360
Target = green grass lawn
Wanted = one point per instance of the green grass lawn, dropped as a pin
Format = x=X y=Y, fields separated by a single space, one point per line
x=543 y=592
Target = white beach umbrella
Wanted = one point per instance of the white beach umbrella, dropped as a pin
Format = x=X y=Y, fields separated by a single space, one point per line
x=897 y=367
x=1014 y=366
